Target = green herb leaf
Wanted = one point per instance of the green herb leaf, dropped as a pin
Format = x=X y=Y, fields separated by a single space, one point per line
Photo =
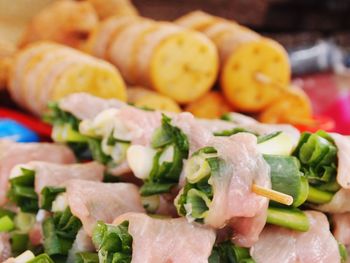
x=226 y=252
x=114 y=243
x=43 y=258
x=48 y=195
x=87 y=257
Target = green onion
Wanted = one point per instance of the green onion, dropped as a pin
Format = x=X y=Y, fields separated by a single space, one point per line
x=6 y=224
x=195 y=198
x=24 y=221
x=291 y=218
x=232 y=132
x=66 y=133
x=226 y=252
x=113 y=242
x=199 y=203
x=343 y=253
x=196 y=169
x=60 y=232
x=22 y=191
x=19 y=242
x=287 y=178
x=43 y=258
x=5 y=212
x=87 y=257
x=317 y=196
x=172 y=148
x=49 y=195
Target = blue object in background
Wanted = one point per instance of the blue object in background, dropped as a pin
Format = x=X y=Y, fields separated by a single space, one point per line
x=12 y=130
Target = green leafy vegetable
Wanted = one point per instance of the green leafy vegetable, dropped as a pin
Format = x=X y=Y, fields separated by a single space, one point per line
x=317 y=196
x=287 y=178
x=114 y=243
x=87 y=257
x=19 y=242
x=43 y=258
x=195 y=198
x=59 y=233
x=165 y=174
x=48 y=195
x=292 y=218
x=6 y=224
x=232 y=132
x=318 y=157
x=22 y=191
x=267 y=137
x=227 y=252
x=343 y=253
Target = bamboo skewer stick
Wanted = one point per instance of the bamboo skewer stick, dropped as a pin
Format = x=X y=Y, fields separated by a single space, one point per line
x=272 y=195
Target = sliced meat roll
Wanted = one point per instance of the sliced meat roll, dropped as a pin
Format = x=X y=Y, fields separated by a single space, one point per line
x=168 y=240
x=93 y=201
x=12 y=153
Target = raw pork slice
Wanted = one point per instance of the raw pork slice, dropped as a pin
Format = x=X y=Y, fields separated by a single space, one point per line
x=93 y=201
x=343 y=144
x=281 y=245
x=167 y=240
x=90 y=107
x=233 y=201
x=341 y=228
x=5 y=246
x=12 y=153
x=57 y=175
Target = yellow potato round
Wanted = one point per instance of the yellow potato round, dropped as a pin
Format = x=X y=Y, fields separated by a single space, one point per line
x=292 y=106
x=142 y=97
x=253 y=74
x=196 y=20
x=184 y=66
x=210 y=106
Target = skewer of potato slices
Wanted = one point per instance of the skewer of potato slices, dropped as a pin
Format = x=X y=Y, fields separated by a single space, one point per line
x=244 y=54
x=179 y=63
x=45 y=71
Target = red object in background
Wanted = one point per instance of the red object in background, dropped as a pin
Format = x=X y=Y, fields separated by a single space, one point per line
x=43 y=129
x=330 y=97
x=321 y=123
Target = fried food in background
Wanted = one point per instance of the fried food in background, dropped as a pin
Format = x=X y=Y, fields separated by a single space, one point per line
x=14 y=16
x=244 y=56
x=179 y=63
x=142 y=97
x=210 y=106
x=293 y=106
x=45 y=71
x=66 y=22
x=7 y=50
x=107 y=8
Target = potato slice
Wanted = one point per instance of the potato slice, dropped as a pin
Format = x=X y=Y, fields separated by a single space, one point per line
x=292 y=106
x=210 y=106
x=253 y=74
x=97 y=78
x=184 y=66
x=142 y=97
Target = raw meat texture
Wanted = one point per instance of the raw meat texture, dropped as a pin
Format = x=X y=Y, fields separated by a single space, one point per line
x=82 y=243
x=93 y=201
x=343 y=144
x=281 y=245
x=57 y=175
x=233 y=199
x=341 y=227
x=91 y=107
x=168 y=240
x=12 y=153
x=5 y=246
